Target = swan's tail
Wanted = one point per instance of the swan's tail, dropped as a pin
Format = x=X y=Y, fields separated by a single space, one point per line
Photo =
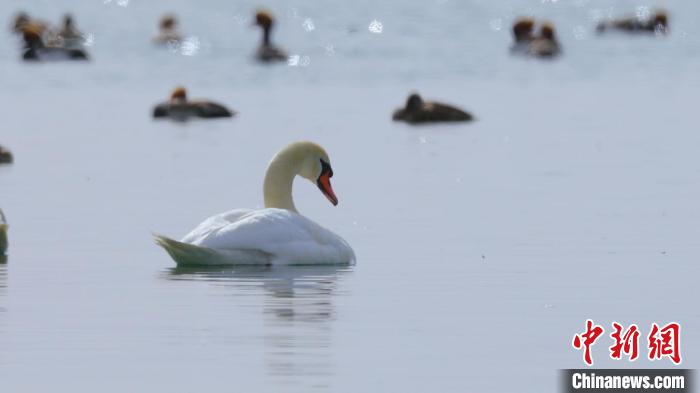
x=186 y=254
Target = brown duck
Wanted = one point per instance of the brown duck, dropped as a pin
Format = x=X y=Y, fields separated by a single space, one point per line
x=546 y=44
x=5 y=156
x=419 y=111
x=181 y=109
x=35 y=50
x=267 y=52
x=168 y=32
x=543 y=45
x=658 y=23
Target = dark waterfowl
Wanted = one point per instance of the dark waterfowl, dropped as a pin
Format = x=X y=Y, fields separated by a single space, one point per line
x=544 y=45
x=35 y=50
x=658 y=24
x=181 y=109
x=67 y=36
x=5 y=156
x=419 y=111
x=168 y=32
x=523 y=34
x=267 y=52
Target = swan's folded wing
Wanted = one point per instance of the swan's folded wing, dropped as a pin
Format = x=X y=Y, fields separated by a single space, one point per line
x=212 y=225
x=186 y=254
x=289 y=237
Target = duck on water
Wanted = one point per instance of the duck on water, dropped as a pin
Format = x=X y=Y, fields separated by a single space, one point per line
x=418 y=111
x=179 y=108
x=267 y=52
x=35 y=50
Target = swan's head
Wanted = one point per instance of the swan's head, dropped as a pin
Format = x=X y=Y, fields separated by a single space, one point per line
x=179 y=94
x=306 y=159
x=264 y=19
x=316 y=167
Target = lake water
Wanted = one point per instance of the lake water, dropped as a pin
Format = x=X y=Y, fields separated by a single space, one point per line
x=481 y=248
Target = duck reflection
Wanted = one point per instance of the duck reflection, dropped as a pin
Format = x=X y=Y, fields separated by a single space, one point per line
x=298 y=314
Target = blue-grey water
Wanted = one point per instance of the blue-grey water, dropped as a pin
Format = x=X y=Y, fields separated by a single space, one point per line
x=481 y=248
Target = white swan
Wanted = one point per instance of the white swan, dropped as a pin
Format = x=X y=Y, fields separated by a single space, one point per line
x=275 y=235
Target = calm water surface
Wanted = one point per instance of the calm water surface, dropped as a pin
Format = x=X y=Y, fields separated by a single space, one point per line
x=481 y=248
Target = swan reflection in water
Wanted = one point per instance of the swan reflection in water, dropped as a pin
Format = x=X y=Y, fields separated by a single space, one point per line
x=298 y=314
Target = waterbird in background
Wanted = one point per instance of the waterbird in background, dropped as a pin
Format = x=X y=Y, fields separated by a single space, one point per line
x=3 y=234
x=419 y=111
x=525 y=42
x=22 y=21
x=267 y=52
x=523 y=34
x=657 y=23
x=5 y=156
x=181 y=109
x=35 y=50
x=67 y=36
x=275 y=235
x=546 y=43
x=168 y=32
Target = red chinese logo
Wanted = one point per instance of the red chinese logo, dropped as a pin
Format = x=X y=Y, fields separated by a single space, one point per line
x=665 y=341
x=662 y=341
x=586 y=339
x=627 y=343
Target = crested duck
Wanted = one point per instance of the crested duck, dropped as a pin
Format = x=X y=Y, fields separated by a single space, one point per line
x=168 y=32
x=267 y=52
x=419 y=111
x=35 y=50
x=5 y=156
x=276 y=234
x=658 y=23
x=181 y=109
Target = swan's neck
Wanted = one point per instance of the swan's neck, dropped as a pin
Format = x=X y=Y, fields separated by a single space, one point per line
x=277 y=188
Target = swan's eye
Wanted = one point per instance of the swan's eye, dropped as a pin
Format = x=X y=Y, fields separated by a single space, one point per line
x=326 y=169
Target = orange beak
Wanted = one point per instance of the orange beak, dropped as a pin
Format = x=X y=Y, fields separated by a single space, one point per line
x=324 y=184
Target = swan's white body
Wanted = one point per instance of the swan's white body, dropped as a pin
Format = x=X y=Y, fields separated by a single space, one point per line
x=275 y=235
